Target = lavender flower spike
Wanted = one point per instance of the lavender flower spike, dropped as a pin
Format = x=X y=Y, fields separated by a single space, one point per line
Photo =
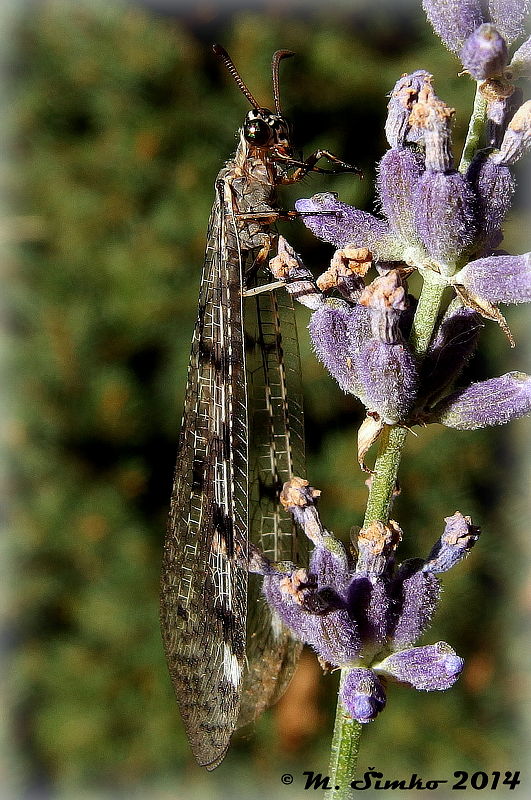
x=484 y=54
x=454 y=20
x=433 y=667
x=492 y=402
x=498 y=279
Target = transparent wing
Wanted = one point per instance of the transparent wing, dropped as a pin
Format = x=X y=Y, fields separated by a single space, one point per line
x=276 y=454
x=204 y=579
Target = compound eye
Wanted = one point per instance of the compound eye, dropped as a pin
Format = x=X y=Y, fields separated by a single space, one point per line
x=256 y=131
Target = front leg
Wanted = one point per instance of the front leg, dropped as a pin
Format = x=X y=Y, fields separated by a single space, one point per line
x=309 y=165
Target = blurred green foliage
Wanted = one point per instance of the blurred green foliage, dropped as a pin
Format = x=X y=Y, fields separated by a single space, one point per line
x=121 y=120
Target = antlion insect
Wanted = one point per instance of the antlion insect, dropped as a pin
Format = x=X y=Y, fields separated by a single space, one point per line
x=242 y=434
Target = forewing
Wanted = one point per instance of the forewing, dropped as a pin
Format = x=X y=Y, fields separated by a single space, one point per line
x=276 y=454
x=204 y=579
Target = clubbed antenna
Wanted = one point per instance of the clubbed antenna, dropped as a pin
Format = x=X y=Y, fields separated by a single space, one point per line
x=277 y=58
x=227 y=60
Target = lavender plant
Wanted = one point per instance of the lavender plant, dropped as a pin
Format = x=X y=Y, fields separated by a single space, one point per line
x=401 y=356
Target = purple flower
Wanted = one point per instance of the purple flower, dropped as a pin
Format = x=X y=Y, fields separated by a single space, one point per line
x=498 y=279
x=458 y=538
x=484 y=53
x=347 y=225
x=433 y=667
x=503 y=100
x=338 y=332
x=492 y=402
x=366 y=617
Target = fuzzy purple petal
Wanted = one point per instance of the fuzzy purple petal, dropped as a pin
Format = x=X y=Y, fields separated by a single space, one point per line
x=509 y=16
x=445 y=214
x=484 y=53
x=433 y=667
x=347 y=225
x=363 y=695
x=398 y=175
x=492 y=402
x=454 y=20
x=416 y=600
x=498 y=279
x=388 y=375
x=338 y=331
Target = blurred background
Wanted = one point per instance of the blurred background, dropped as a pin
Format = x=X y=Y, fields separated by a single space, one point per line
x=118 y=118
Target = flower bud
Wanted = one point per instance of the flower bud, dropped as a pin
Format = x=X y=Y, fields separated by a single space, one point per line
x=445 y=214
x=362 y=694
x=433 y=667
x=492 y=402
x=344 y=225
x=498 y=279
x=484 y=53
x=398 y=176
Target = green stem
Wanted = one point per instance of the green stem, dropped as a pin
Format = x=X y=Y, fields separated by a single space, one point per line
x=476 y=128
x=347 y=732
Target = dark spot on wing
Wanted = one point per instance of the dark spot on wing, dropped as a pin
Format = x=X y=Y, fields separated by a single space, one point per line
x=224 y=527
x=198 y=475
